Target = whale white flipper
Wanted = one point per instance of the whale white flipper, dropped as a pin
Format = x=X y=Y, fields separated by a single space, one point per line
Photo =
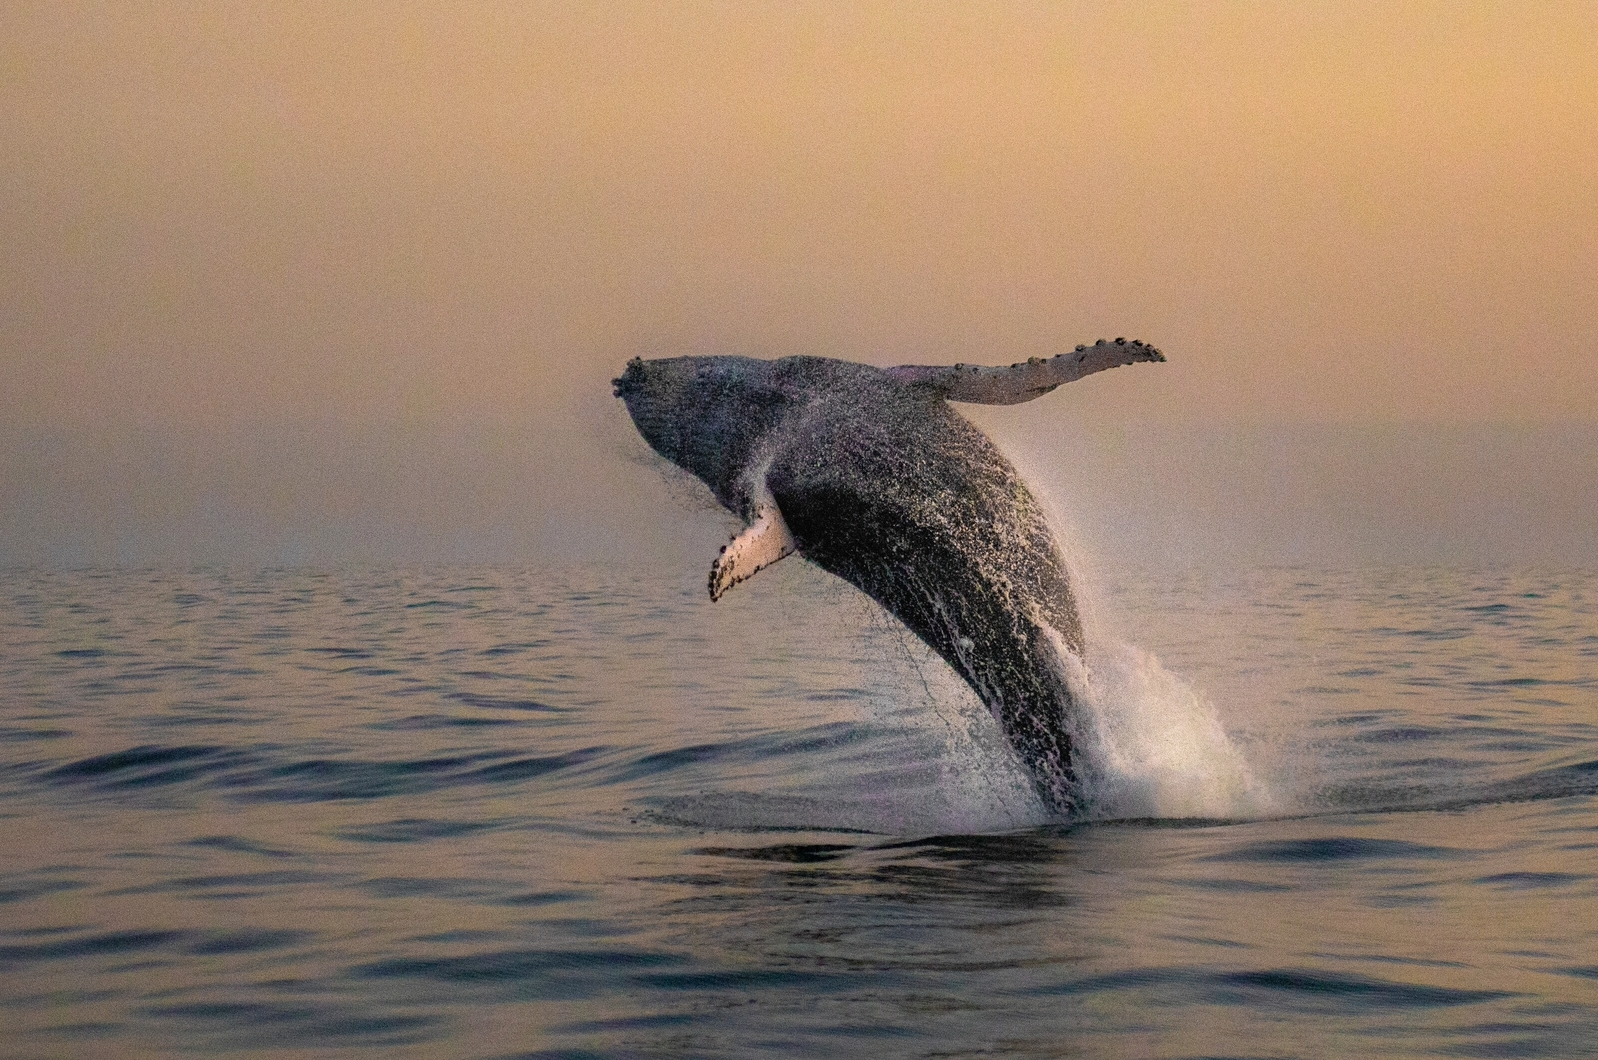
x=1024 y=381
x=762 y=543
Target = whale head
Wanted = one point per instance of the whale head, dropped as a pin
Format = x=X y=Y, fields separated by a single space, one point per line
x=707 y=415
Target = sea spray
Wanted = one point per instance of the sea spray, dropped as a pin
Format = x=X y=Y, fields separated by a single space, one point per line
x=1148 y=744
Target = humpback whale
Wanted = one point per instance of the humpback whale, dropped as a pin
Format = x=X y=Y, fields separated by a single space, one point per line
x=871 y=475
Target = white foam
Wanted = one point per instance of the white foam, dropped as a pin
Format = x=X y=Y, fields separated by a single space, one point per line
x=1149 y=744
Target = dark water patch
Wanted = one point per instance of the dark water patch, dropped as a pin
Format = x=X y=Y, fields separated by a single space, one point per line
x=218 y=943
x=1524 y=881
x=1516 y=746
x=147 y=765
x=427 y=887
x=740 y=980
x=1580 y=971
x=517 y=648
x=1400 y=901
x=1399 y=733
x=162 y=669
x=44 y=931
x=265 y=774
x=320 y=779
x=441 y=605
x=1008 y=848
x=837 y=695
x=816 y=738
x=538 y=898
x=619 y=1023
x=423 y=722
x=547 y=974
x=1544 y=701
x=1231 y=886
x=1502 y=732
x=661 y=761
x=13 y=734
x=331 y=779
x=82 y=653
x=1430 y=634
x=411 y=830
x=532 y=766
x=83 y=1029
x=790 y=853
x=1316 y=988
x=454 y=935
x=110 y=943
x=252 y=1024
x=26 y=886
x=342 y=653
x=742 y=812
x=238 y=845
x=472 y=699
x=1353 y=720
x=1205 y=940
x=1334 y=848
x=226 y=884
x=1557 y=782
x=1432 y=763
x=1127 y=979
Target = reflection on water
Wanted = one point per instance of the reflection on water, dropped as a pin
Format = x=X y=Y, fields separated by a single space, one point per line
x=503 y=813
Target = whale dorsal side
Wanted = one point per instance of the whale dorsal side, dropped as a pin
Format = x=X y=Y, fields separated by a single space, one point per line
x=763 y=542
x=1013 y=384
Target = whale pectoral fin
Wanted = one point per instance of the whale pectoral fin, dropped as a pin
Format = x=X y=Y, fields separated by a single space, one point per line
x=762 y=543
x=1013 y=384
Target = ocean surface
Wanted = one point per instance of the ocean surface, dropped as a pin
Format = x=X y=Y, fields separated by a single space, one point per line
x=497 y=812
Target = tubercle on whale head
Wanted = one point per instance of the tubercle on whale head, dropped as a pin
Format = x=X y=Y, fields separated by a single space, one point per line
x=631 y=379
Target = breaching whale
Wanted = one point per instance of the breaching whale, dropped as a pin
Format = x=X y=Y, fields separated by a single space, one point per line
x=871 y=475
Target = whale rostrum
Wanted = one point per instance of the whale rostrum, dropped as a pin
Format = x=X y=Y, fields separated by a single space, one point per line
x=870 y=474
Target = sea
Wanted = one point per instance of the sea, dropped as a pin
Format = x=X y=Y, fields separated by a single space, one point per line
x=535 y=811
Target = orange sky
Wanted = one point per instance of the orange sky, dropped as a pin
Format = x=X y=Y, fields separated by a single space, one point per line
x=222 y=214
x=1331 y=211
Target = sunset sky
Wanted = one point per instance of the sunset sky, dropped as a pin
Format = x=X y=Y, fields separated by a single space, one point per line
x=309 y=282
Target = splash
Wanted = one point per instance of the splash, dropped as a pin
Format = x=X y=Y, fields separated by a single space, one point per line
x=1150 y=745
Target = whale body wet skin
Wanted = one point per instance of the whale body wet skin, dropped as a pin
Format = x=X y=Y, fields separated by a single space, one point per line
x=871 y=475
